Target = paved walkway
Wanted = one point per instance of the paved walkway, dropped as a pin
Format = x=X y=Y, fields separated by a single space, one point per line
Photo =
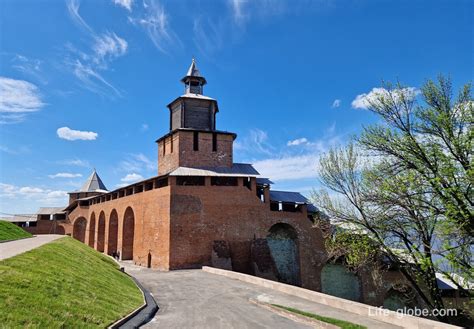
x=13 y=248
x=197 y=299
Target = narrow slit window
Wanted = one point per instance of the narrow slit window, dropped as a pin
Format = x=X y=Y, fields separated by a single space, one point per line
x=214 y=142
x=196 y=141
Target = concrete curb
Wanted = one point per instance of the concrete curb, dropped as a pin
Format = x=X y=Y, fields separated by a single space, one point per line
x=407 y=321
x=142 y=314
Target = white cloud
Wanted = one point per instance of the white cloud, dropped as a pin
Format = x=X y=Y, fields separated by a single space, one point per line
x=107 y=47
x=127 y=4
x=27 y=190
x=336 y=103
x=131 y=178
x=297 y=142
x=27 y=199
x=289 y=167
x=363 y=101
x=17 y=98
x=72 y=135
x=64 y=175
x=144 y=127
x=157 y=26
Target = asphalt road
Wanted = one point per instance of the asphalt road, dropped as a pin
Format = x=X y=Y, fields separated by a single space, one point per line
x=197 y=299
x=13 y=248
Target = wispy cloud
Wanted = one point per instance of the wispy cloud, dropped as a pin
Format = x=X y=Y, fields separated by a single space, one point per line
x=363 y=101
x=336 y=103
x=156 y=23
x=127 y=4
x=255 y=142
x=30 y=67
x=244 y=10
x=75 y=162
x=137 y=163
x=238 y=11
x=87 y=66
x=72 y=135
x=65 y=175
x=108 y=46
x=144 y=127
x=73 y=9
x=209 y=35
x=17 y=98
x=17 y=150
x=92 y=80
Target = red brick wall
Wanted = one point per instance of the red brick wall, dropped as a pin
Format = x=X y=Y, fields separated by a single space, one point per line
x=184 y=155
x=202 y=214
x=151 y=232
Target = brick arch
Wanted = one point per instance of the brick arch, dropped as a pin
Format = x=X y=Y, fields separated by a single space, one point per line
x=112 y=237
x=282 y=240
x=92 y=230
x=128 y=234
x=79 y=229
x=101 y=232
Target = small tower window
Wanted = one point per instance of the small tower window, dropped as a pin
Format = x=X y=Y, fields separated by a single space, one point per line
x=214 y=142
x=196 y=141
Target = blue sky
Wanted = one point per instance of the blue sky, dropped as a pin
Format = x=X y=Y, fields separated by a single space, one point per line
x=85 y=84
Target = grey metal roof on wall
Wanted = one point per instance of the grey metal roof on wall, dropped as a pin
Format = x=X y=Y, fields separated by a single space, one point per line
x=237 y=170
x=285 y=196
x=19 y=218
x=50 y=210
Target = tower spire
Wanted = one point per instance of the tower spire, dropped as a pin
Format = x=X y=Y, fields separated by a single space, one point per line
x=193 y=80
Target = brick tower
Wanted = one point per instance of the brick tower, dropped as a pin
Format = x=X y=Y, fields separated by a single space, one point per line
x=193 y=140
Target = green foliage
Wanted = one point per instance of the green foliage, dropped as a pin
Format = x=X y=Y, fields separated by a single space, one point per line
x=406 y=183
x=9 y=231
x=357 y=250
x=340 y=323
x=64 y=284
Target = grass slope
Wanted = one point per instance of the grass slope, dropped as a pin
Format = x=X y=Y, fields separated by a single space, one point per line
x=339 y=323
x=64 y=284
x=9 y=231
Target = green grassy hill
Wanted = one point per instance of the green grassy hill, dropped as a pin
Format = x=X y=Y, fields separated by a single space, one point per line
x=9 y=231
x=64 y=284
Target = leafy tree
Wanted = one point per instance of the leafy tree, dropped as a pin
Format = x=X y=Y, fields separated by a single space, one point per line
x=407 y=183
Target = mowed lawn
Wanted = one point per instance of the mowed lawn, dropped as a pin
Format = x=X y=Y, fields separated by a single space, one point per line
x=9 y=231
x=64 y=284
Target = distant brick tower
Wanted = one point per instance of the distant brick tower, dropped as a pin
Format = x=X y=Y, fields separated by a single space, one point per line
x=193 y=140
